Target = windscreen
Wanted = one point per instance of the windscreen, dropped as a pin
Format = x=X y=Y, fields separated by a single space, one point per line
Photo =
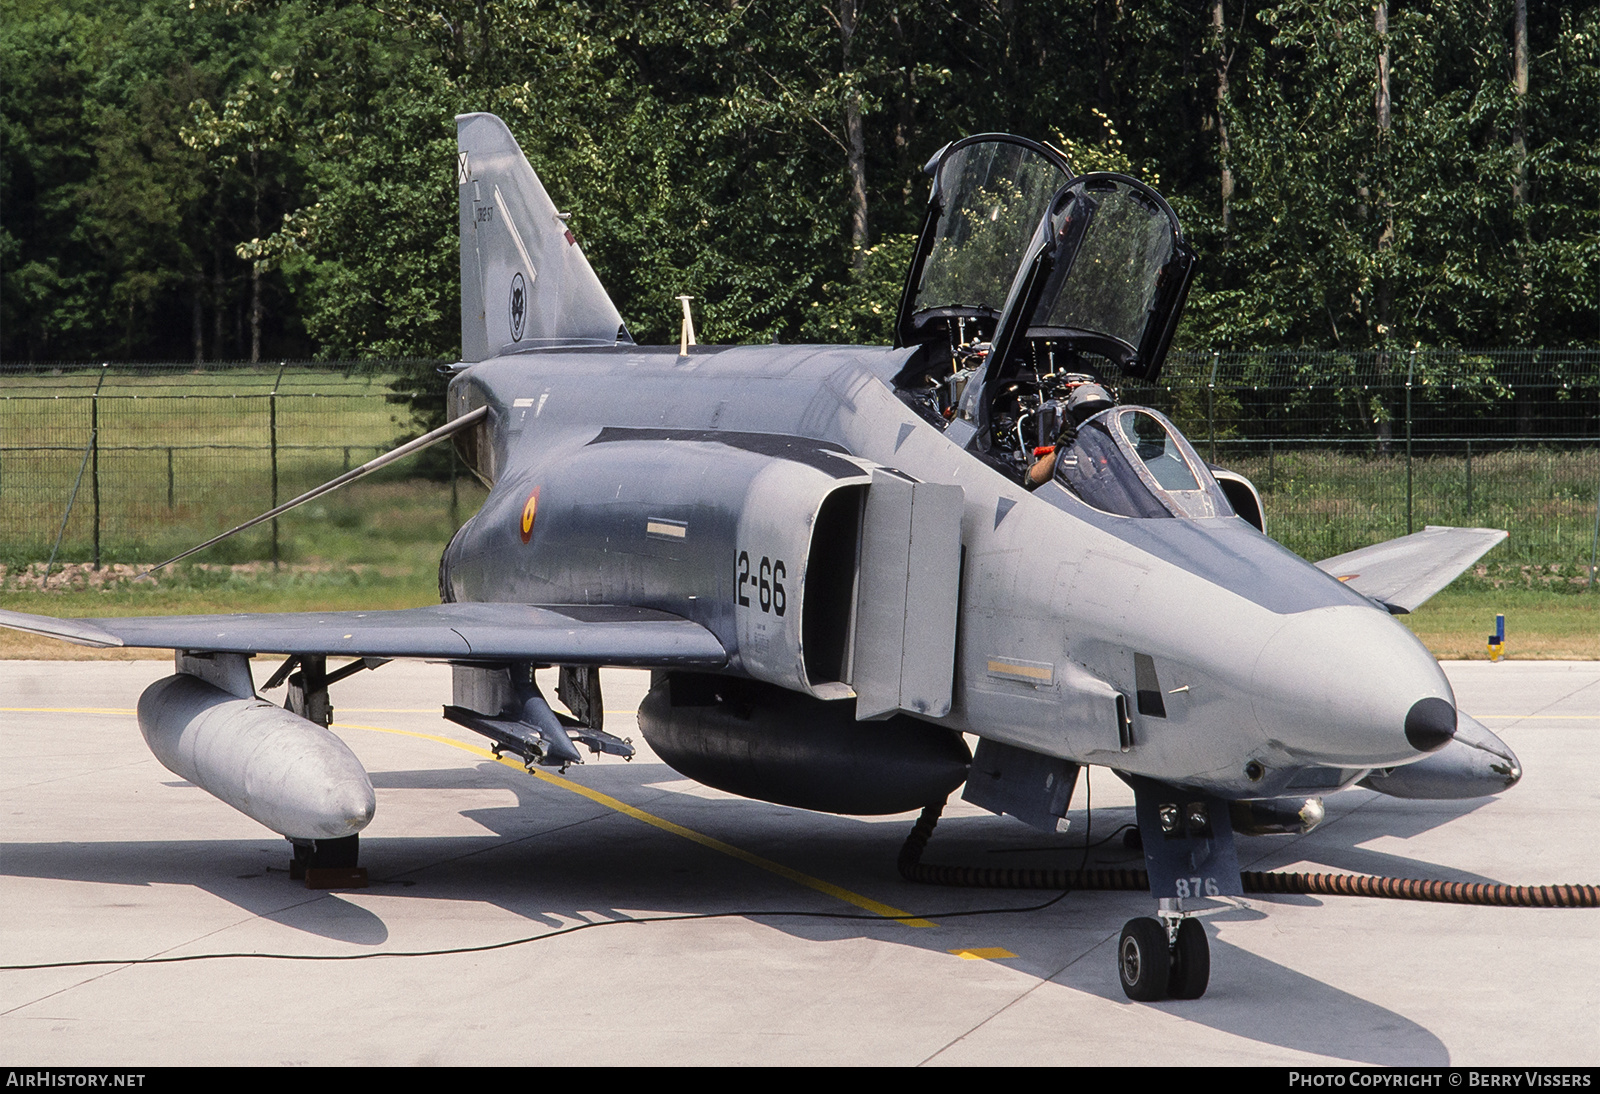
x=1133 y=462
x=993 y=194
x=1097 y=470
x=1159 y=452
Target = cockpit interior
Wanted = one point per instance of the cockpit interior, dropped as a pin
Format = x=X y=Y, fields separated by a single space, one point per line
x=1032 y=291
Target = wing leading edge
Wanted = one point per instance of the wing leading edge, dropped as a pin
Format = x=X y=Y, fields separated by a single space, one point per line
x=1402 y=573
x=570 y=634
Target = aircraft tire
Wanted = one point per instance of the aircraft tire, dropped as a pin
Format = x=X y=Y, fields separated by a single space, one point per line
x=1144 y=962
x=1191 y=962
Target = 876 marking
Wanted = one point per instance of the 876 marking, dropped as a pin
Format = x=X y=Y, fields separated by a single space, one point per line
x=765 y=583
x=1194 y=886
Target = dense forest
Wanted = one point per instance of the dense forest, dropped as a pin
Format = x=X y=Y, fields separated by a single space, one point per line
x=243 y=179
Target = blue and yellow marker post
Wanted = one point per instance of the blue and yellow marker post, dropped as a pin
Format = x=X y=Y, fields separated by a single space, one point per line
x=1497 y=640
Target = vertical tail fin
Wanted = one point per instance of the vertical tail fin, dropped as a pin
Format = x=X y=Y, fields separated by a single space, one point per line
x=524 y=280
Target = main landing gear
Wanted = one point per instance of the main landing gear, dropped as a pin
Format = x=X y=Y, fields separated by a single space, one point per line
x=1164 y=958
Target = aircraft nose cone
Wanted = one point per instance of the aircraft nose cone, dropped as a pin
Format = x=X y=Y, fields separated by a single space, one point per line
x=1430 y=724
x=1349 y=686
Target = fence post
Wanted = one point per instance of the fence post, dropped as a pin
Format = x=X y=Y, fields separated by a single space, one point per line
x=1271 y=478
x=1211 y=403
x=94 y=456
x=1411 y=366
x=272 y=424
x=1469 y=476
x=169 y=476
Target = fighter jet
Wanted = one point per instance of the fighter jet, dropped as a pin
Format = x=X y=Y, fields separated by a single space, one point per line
x=840 y=561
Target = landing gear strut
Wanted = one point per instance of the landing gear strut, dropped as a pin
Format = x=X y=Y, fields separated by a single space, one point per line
x=328 y=863
x=1187 y=841
x=1164 y=958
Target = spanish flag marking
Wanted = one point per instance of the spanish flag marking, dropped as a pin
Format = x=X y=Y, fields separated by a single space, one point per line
x=528 y=511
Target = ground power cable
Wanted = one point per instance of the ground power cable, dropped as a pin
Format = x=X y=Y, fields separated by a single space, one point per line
x=574 y=929
x=1129 y=879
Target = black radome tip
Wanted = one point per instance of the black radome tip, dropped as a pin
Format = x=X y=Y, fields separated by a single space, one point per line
x=1430 y=724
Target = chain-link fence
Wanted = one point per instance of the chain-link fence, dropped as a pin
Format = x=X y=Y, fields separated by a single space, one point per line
x=1347 y=448
x=135 y=463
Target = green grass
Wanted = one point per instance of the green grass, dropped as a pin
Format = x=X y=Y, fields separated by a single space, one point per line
x=1540 y=624
x=1322 y=502
x=372 y=545
x=180 y=457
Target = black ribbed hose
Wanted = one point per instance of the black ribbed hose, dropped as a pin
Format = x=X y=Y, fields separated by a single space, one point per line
x=912 y=868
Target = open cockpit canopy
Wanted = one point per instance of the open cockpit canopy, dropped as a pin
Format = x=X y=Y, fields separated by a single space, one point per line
x=1106 y=273
x=989 y=193
x=1018 y=251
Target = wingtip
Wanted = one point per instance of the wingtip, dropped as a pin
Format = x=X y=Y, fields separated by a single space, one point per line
x=81 y=632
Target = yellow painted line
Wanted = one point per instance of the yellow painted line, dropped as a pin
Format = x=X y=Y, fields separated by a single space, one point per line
x=985 y=953
x=827 y=887
x=429 y=710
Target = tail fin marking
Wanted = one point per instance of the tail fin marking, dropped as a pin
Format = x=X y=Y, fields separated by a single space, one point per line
x=525 y=283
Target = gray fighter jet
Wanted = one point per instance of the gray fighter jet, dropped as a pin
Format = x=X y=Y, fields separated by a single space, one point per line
x=841 y=559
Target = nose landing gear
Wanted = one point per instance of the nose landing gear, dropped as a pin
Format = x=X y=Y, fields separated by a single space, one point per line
x=1188 y=853
x=1164 y=958
x=1144 y=959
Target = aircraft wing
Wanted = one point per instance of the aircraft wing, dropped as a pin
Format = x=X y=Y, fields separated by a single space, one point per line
x=1402 y=573
x=579 y=634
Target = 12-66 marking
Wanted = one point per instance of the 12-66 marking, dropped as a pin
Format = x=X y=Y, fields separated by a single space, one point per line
x=764 y=582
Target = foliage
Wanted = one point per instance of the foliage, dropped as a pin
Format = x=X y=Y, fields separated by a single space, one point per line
x=163 y=161
x=1351 y=234
x=861 y=309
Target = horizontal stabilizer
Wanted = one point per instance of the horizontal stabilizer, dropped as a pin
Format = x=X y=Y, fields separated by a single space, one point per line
x=1402 y=573
x=588 y=634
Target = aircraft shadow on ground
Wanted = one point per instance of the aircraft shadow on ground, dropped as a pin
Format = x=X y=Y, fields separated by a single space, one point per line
x=1261 y=1000
x=251 y=874
x=555 y=858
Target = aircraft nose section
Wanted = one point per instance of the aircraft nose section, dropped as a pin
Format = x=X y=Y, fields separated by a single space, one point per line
x=1351 y=686
x=1430 y=724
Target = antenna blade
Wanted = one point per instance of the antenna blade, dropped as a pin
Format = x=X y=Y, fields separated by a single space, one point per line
x=447 y=430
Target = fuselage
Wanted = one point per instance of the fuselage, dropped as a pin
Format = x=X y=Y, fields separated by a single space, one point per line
x=1195 y=651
